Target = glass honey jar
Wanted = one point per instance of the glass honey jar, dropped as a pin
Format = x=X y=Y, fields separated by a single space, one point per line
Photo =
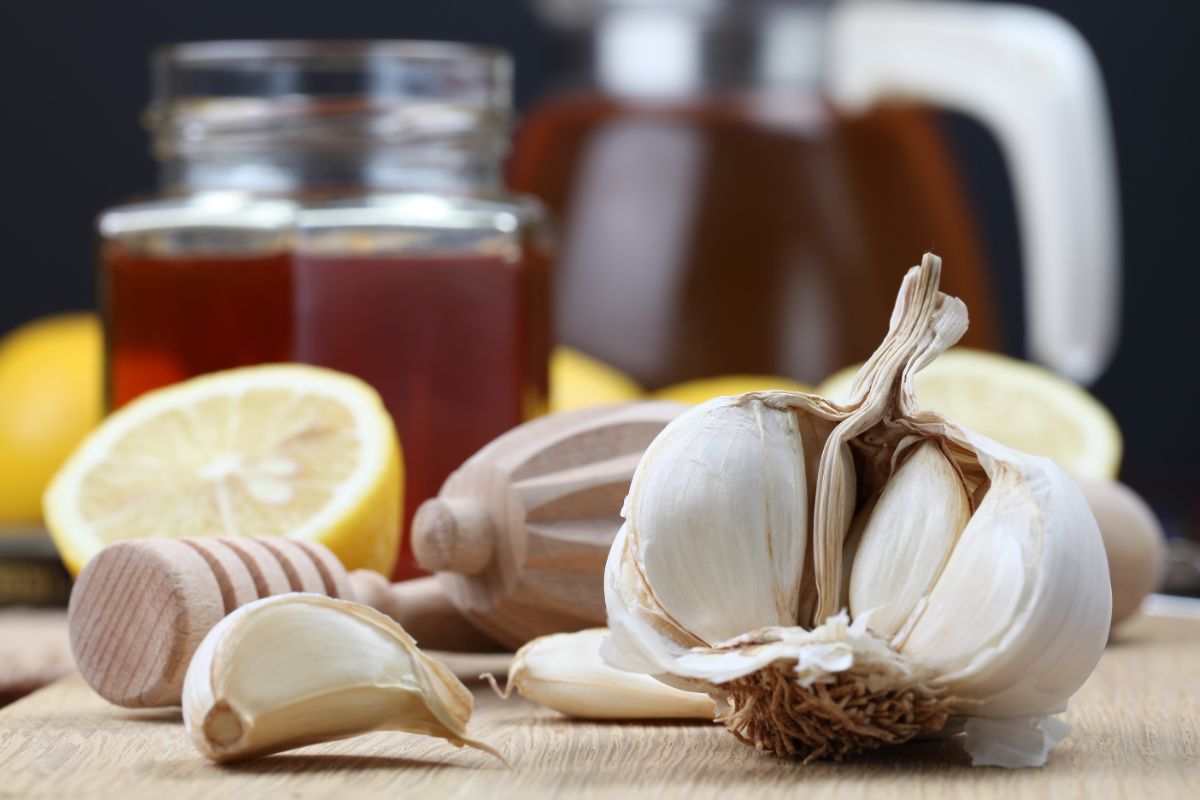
x=338 y=204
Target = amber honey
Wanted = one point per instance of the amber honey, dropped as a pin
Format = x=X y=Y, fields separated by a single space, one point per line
x=171 y=317
x=704 y=237
x=457 y=345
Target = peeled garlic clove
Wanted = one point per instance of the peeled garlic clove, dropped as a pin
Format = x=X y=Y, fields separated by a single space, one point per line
x=564 y=672
x=908 y=538
x=297 y=669
x=704 y=531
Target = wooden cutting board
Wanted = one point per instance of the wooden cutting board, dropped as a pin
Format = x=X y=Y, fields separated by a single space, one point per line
x=1136 y=733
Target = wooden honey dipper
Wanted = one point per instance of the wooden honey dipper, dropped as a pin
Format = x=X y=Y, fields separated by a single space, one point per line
x=140 y=608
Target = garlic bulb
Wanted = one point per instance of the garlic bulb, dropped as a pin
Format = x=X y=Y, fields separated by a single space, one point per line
x=564 y=671
x=843 y=577
x=297 y=669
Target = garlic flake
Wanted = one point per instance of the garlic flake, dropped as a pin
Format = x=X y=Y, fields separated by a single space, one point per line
x=843 y=577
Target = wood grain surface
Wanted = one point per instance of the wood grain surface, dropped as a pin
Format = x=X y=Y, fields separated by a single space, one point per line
x=1136 y=733
x=33 y=650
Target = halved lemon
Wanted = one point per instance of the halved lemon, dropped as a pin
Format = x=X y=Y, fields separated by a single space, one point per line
x=1019 y=404
x=276 y=450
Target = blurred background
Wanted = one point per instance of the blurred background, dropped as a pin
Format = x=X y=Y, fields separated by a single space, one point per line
x=78 y=82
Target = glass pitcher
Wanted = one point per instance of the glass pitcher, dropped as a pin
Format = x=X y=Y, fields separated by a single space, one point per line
x=741 y=185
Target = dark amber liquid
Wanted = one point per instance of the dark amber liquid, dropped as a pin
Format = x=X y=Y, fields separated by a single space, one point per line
x=702 y=239
x=170 y=318
x=456 y=345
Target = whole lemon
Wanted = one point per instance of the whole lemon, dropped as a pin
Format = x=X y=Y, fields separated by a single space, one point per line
x=50 y=397
x=702 y=389
x=577 y=381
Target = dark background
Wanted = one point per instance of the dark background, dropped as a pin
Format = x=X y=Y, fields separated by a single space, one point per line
x=75 y=81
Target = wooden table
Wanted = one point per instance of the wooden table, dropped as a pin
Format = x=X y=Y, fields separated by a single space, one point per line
x=34 y=650
x=1136 y=734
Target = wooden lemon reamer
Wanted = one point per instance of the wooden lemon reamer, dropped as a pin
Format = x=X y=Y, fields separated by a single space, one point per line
x=519 y=534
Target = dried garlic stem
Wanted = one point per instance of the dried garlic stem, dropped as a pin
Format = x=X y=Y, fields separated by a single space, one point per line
x=924 y=323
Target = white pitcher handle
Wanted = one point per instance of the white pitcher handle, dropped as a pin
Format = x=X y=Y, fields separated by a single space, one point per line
x=1030 y=78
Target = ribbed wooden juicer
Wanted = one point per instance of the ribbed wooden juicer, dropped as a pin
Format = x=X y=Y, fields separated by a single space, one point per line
x=519 y=534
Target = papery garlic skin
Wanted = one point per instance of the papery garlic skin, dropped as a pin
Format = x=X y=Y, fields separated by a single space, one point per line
x=642 y=638
x=1013 y=741
x=564 y=671
x=686 y=535
x=978 y=585
x=297 y=669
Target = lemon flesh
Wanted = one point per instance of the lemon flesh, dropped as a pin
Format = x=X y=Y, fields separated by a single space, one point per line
x=277 y=450
x=702 y=389
x=1018 y=404
x=50 y=387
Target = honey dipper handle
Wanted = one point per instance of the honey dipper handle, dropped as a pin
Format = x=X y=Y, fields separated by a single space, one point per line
x=422 y=609
x=453 y=534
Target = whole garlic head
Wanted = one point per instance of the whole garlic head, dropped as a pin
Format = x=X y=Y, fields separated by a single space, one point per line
x=844 y=577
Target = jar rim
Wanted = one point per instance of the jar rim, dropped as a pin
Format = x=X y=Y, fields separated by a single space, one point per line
x=385 y=71
x=267 y=112
x=233 y=51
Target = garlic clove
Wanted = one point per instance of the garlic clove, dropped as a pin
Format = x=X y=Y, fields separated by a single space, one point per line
x=908 y=537
x=979 y=593
x=721 y=494
x=564 y=671
x=1020 y=615
x=297 y=669
x=1134 y=541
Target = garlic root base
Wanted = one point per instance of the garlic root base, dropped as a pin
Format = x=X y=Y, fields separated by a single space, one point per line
x=773 y=712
